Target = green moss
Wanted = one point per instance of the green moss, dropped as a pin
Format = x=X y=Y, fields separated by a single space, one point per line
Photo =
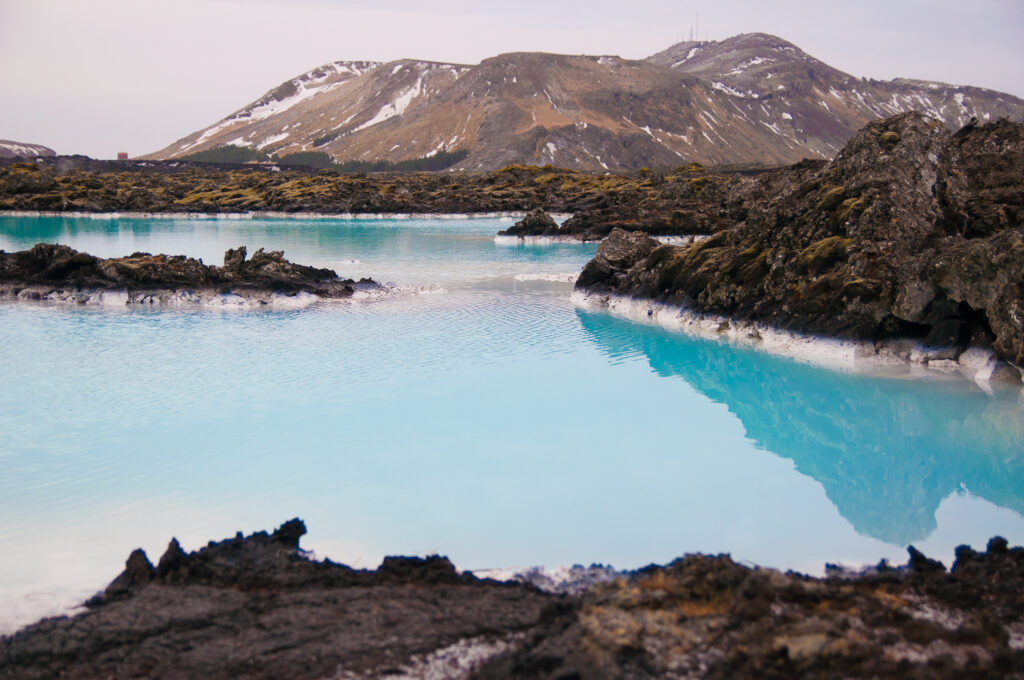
x=850 y=208
x=516 y=167
x=890 y=138
x=690 y=168
x=751 y=252
x=831 y=196
x=548 y=178
x=15 y=168
x=822 y=255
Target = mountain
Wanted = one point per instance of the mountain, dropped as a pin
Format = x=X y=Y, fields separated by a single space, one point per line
x=753 y=98
x=9 y=149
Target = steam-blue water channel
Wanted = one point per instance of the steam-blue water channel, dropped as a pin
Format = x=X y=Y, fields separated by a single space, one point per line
x=476 y=413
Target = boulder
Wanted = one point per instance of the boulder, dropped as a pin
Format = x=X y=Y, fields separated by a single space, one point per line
x=614 y=258
x=536 y=223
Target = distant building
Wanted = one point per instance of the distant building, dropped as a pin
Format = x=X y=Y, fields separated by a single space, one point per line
x=122 y=155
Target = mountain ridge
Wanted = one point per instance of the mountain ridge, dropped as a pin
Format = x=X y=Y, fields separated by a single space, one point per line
x=12 y=149
x=752 y=98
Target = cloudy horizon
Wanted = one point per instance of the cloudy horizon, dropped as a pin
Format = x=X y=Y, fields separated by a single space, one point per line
x=121 y=75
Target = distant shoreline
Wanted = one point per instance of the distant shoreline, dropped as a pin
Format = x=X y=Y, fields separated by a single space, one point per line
x=255 y=215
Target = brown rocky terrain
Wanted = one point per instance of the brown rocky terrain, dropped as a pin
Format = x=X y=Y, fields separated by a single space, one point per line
x=752 y=98
x=57 y=272
x=258 y=607
x=84 y=185
x=910 y=232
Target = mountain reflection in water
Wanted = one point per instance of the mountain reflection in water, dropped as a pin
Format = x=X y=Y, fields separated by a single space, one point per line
x=886 y=451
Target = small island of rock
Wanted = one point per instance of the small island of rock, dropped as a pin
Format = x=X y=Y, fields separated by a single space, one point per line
x=50 y=272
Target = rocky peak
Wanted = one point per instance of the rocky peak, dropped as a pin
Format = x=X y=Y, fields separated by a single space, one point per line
x=722 y=56
x=750 y=62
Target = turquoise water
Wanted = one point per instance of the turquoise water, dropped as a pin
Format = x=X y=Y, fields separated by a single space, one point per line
x=477 y=413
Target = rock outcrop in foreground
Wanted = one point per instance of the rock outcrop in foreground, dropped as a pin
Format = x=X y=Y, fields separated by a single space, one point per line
x=910 y=232
x=59 y=273
x=258 y=607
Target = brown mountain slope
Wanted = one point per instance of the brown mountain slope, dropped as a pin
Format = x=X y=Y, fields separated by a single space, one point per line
x=819 y=106
x=753 y=98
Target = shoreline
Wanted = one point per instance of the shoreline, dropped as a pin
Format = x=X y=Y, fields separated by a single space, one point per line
x=206 y=298
x=281 y=612
x=506 y=240
x=898 y=358
x=254 y=215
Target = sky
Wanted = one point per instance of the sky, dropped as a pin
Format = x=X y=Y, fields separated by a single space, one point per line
x=101 y=76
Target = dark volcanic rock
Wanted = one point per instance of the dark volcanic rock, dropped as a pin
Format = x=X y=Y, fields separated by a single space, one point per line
x=258 y=607
x=663 y=219
x=708 y=617
x=51 y=271
x=910 y=231
x=689 y=202
x=614 y=257
x=537 y=223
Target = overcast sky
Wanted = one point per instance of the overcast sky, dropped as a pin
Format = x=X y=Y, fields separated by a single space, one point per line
x=102 y=76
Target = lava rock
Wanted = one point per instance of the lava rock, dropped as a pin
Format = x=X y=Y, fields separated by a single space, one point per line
x=536 y=223
x=51 y=267
x=614 y=258
x=257 y=606
x=909 y=232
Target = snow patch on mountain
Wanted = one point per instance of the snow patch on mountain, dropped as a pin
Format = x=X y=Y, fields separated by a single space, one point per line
x=396 y=107
x=733 y=92
x=11 y=149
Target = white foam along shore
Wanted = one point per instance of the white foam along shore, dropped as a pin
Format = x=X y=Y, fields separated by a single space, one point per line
x=895 y=358
x=242 y=299
x=257 y=215
x=559 y=278
x=504 y=240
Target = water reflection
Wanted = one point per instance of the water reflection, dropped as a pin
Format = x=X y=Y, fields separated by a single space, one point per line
x=886 y=451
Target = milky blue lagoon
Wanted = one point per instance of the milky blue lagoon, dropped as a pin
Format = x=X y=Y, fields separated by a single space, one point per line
x=477 y=413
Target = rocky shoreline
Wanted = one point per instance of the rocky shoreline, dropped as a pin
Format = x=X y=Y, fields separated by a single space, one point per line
x=911 y=238
x=259 y=607
x=57 y=273
x=687 y=198
x=889 y=358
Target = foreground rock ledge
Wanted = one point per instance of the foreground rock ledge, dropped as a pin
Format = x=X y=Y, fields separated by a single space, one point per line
x=59 y=273
x=258 y=607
